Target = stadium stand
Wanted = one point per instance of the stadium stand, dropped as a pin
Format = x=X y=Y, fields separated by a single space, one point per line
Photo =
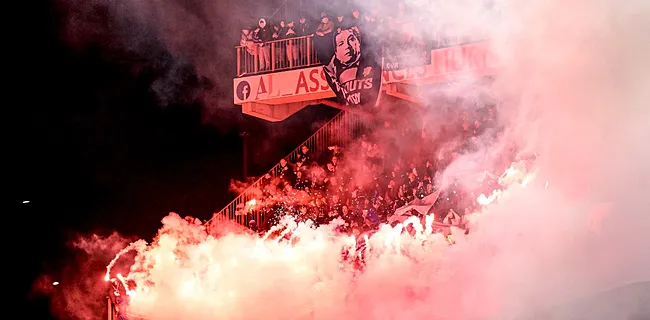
x=376 y=176
x=363 y=175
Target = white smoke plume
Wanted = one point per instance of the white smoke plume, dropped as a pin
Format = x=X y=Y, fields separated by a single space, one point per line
x=573 y=87
x=78 y=295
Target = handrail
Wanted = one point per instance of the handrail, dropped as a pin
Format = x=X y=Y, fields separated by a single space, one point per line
x=283 y=54
x=338 y=131
x=300 y=52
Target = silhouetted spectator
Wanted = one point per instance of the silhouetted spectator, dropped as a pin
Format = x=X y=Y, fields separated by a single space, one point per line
x=304 y=155
x=355 y=19
x=324 y=38
x=303 y=28
x=247 y=40
x=264 y=35
x=292 y=45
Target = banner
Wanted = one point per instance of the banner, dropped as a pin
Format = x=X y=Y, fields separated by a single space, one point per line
x=308 y=84
x=408 y=58
x=404 y=52
x=351 y=58
x=283 y=86
x=476 y=59
x=422 y=206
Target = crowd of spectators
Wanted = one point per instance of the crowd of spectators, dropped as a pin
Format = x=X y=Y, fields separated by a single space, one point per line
x=397 y=34
x=392 y=165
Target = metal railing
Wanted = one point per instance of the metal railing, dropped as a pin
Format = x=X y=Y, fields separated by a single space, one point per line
x=344 y=127
x=276 y=55
x=300 y=52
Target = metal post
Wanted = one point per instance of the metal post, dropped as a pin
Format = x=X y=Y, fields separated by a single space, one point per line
x=290 y=46
x=272 y=56
x=256 y=62
x=239 y=61
x=308 y=51
x=244 y=136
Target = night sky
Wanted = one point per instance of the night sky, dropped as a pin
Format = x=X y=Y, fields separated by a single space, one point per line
x=122 y=126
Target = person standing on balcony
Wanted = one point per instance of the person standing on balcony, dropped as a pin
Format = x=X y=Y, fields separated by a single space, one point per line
x=346 y=21
x=326 y=26
x=303 y=29
x=370 y=22
x=282 y=29
x=341 y=22
x=355 y=20
x=292 y=46
x=282 y=47
x=264 y=35
x=323 y=39
x=248 y=41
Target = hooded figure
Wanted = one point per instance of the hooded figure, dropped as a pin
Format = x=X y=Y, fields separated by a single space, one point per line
x=264 y=34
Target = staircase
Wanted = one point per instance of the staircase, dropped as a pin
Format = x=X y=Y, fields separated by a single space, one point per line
x=340 y=130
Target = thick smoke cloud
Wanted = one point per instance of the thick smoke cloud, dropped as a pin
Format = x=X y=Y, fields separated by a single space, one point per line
x=184 y=48
x=573 y=89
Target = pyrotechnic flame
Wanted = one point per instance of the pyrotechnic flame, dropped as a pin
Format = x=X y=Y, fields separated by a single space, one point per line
x=138 y=245
x=291 y=249
x=249 y=205
x=516 y=174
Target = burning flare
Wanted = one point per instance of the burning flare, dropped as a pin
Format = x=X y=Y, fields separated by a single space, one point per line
x=186 y=268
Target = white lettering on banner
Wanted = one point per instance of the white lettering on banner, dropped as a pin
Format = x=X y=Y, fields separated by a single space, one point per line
x=355 y=85
x=354 y=98
x=352 y=90
x=392 y=65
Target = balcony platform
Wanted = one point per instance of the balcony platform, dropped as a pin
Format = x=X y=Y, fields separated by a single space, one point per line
x=274 y=96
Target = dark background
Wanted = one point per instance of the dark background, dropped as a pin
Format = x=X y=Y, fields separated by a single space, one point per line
x=118 y=125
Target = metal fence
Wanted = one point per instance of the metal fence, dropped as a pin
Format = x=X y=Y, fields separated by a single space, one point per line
x=276 y=55
x=344 y=127
x=300 y=52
